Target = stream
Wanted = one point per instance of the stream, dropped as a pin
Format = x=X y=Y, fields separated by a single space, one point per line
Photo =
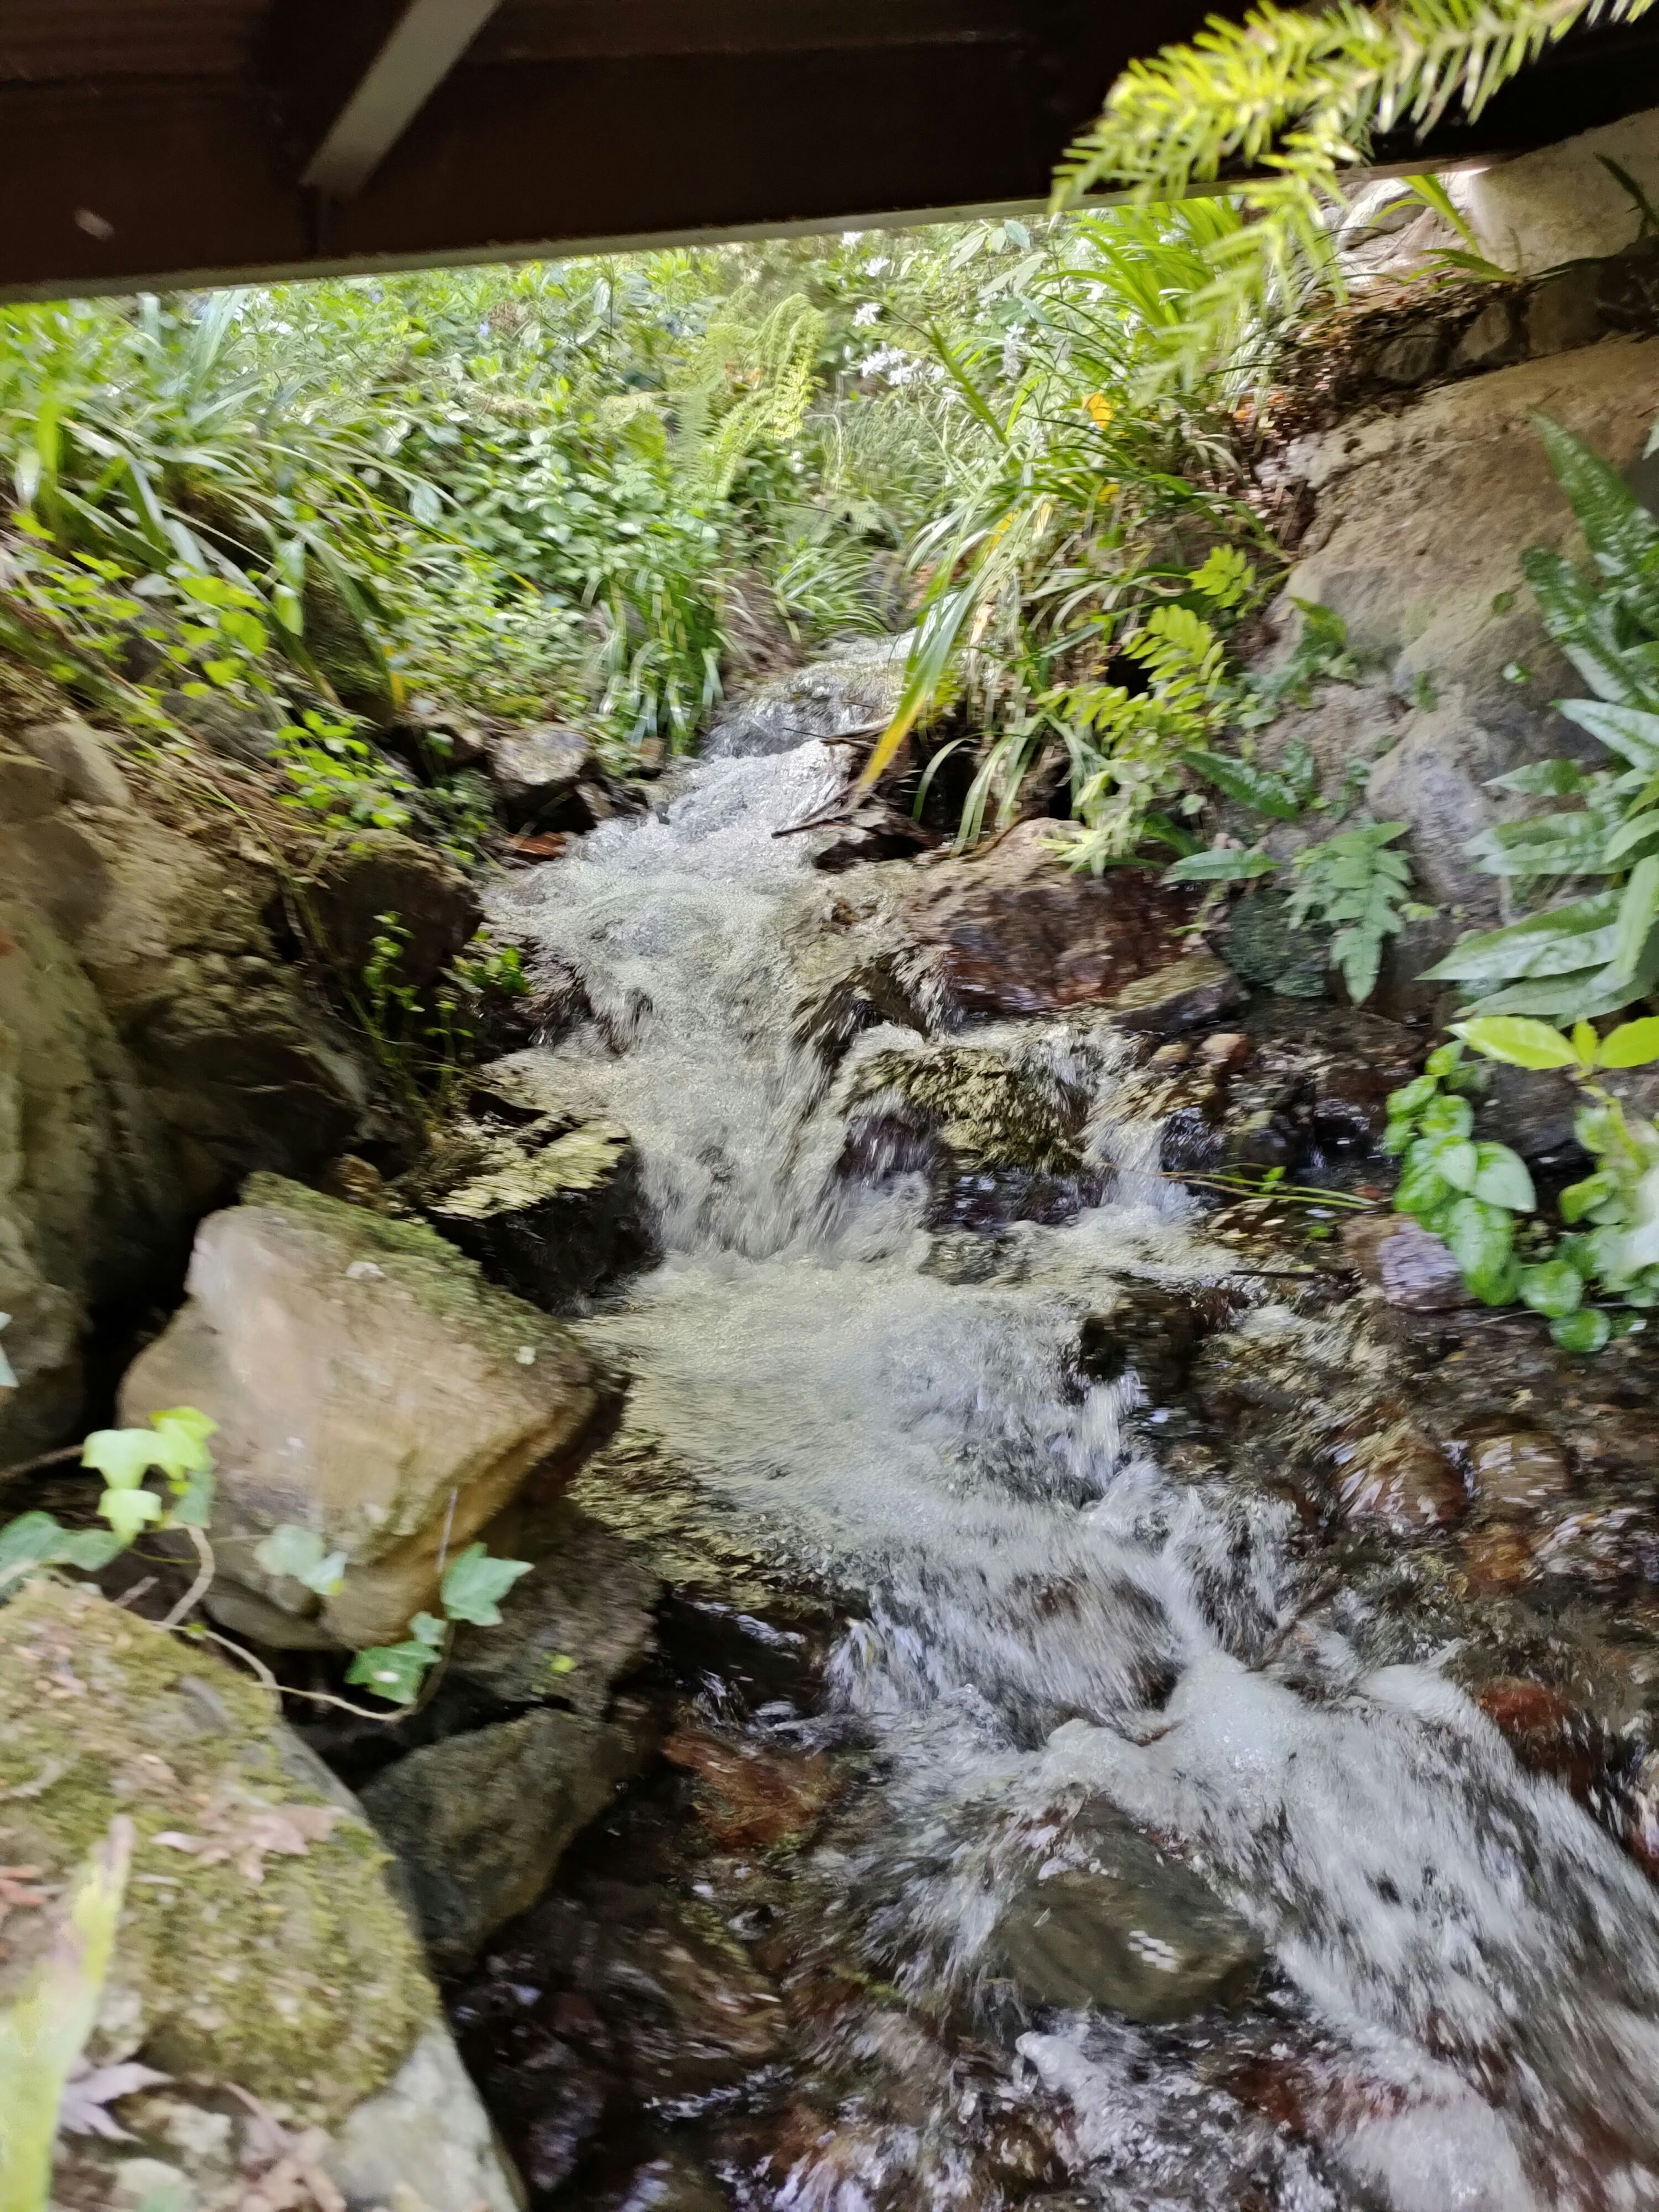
x=1059 y=1658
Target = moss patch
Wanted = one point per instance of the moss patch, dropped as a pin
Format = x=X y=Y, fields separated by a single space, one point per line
x=986 y=1112
x=307 y=1987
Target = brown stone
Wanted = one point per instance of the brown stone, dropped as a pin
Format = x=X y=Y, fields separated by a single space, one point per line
x=1513 y=1474
x=1544 y=1729
x=752 y=1800
x=379 y=872
x=1226 y=1051
x=1015 y=931
x=1189 y=991
x=1400 y=1481
x=1496 y=1557
x=1411 y=1267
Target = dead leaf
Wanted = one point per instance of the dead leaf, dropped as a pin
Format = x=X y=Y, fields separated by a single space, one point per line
x=89 y=2089
x=247 y=1833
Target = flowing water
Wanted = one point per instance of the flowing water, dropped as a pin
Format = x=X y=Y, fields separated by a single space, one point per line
x=1459 y=2006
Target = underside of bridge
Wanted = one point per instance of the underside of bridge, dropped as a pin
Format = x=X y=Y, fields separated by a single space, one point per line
x=165 y=141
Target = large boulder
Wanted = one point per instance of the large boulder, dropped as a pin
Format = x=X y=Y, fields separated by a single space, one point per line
x=369 y=1385
x=154 y=1047
x=1421 y=515
x=381 y=879
x=1015 y=931
x=265 y=1982
x=853 y=693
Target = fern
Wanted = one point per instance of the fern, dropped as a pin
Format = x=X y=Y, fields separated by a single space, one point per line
x=1356 y=885
x=1300 y=96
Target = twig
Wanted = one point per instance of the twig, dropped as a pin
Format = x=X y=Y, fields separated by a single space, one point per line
x=45 y=1459
x=276 y=1690
x=837 y=816
x=204 y=1575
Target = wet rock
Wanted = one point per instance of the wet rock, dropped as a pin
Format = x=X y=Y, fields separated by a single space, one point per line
x=1126 y=1927
x=550 y=1204
x=536 y=773
x=1410 y=1267
x=479 y=1822
x=378 y=873
x=1014 y=931
x=671 y=2184
x=1530 y=1109
x=1225 y=1053
x=1186 y=994
x=154 y=1047
x=1642 y=1820
x=1516 y=1472
x=1412 y=355
x=689 y=2011
x=851 y=694
x=1263 y=948
x=580 y=1621
x=260 y=1942
x=1601 y=1547
x=1400 y=1481
x=1149 y=1330
x=752 y=1799
x=1496 y=1558
x=367 y=1385
x=1543 y=1729
x=999 y=1138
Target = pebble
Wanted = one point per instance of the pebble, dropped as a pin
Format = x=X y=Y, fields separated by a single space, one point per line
x=1516 y=1473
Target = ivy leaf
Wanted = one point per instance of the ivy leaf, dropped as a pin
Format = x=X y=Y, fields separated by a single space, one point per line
x=1501 y=1178
x=1586 y=1330
x=299 y=1554
x=1516 y=1041
x=427 y=1628
x=192 y=1501
x=1555 y=1288
x=127 y=1512
x=40 y=1540
x=1632 y=1044
x=1579 y=1197
x=393 y=1671
x=175 y=1443
x=475 y=1584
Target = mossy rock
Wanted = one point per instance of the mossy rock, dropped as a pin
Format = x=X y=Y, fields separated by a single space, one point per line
x=986 y=1111
x=296 y=1977
x=1264 y=949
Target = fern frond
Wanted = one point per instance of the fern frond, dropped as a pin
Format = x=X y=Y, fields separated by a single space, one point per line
x=1300 y=96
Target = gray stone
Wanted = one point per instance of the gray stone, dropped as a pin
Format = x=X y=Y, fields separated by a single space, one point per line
x=536 y=772
x=1564 y=312
x=379 y=872
x=1410 y=1267
x=1126 y=1927
x=153 y=1048
x=368 y=1386
x=1491 y=341
x=1412 y=355
x=670 y=2183
x=849 y=693
x=583 y=1618
x=1190 y=991
x=425 y=2137
x=480 y=1822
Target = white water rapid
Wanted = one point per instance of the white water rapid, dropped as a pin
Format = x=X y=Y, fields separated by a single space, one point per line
x=1460 y=2008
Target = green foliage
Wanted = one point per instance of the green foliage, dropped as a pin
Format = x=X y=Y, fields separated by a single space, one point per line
x=300 y=1554
x=473 y=1587
x=1596 y=953
x=175 y=1446
x=1472 y=1195
x=1299 y=96
x=45 y=2031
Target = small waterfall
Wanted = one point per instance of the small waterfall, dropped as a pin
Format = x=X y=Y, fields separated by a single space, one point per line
x=1463 y=2014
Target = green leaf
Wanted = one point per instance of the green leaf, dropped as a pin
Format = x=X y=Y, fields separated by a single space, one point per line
x=1633 y=732
x=1554 y=1288
x=1578 y=1199
x=1621 y=534
x=1546 y=779
x=1637 y=911
x=299 y=1554
x=40 y=1540
x=1481 y=1238
x=1632 y=1044
x=1559 y=942
x=123 y=1456
x=427 y=1628
x=1501 y=1178
x=1457 y=1161
x=1422 y=1190
x=1545 y=845
x=1255 y=787
x=1413 y=1097
x=192 y=1501
x=1221 y=863
x=1587 y=1330
x=1444 y=1060
x=393 y=1671
x=127 y=1512
x=475 y=1584
x=1517 y=1042
x=1447 y=1117
x=176 y=1443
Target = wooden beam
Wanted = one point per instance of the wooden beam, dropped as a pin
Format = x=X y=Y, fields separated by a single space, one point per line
x=429 y=40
